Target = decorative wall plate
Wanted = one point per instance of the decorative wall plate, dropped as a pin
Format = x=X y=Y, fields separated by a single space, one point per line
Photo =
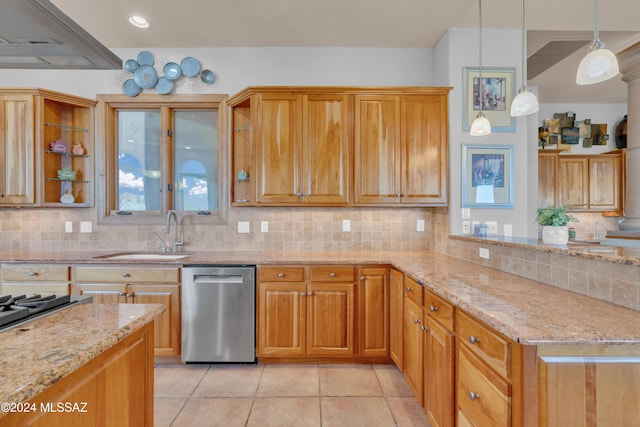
x=130 y=88
x=164 y=85
x=172 y=71
x=145 y=58
x=190 y=66
x=130 y=65
x=207 y=76
x=145 y=76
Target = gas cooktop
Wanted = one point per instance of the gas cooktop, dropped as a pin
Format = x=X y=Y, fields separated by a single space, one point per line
x=16 y=309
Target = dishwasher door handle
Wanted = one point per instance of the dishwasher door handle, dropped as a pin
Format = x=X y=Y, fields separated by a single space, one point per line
x=209 y=279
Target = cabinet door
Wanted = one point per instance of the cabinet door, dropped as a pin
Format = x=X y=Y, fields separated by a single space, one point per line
x=439 y=375
x=325 y=150
x=547 y=179
x=424 y=149
x=396 y=324
x=166 y=326
x=413 y=348
x=281 y=319
x=104 y=293
x=330 y=318
x=605 y=183
x=279 y=154
x=373 y=306
x=17 y=145
x=377 y=149
x=573 y=183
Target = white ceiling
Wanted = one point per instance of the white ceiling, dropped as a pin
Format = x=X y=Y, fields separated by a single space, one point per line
x=366 y=23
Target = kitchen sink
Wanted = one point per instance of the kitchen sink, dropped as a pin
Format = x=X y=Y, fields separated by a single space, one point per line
x=142 y=256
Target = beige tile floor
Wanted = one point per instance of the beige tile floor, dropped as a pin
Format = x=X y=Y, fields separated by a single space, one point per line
x=284 y=395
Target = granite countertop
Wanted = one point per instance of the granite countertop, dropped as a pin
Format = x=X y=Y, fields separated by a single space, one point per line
x=39 y=353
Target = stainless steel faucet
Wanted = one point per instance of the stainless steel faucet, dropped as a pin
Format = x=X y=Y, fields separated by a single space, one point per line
x=175 y=244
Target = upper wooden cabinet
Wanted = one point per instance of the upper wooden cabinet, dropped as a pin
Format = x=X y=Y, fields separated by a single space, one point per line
x=31 y=120
x=593 y=183
x=401 y=149
x=295 y=146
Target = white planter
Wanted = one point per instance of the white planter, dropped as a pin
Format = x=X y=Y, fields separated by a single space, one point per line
x=555 y=234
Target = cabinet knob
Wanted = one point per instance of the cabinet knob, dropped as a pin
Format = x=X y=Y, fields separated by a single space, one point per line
x=332 y=274
x=473 y=396
x=121 y=294
x=409 y=289
x=362 y=278
x=423 y=328
x=33 y=273
x=280 y=275
x=433 y=308
x=129 y=295
x=416 y=321
x=302 y=294
x=473 y=339
x=125 y=275
x=309 y=294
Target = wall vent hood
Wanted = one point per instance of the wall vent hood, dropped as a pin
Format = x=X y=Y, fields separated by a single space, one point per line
x=36 y=34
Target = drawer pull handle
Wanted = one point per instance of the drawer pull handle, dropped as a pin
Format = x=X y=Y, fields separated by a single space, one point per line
x=125 y=275
x=416 y=321
x=473 y=339
x=33 y=273
x=473 y=396
x=409 y=289
x=433 y=308
x=423 y=328
x=332 y=274
x=280 y=275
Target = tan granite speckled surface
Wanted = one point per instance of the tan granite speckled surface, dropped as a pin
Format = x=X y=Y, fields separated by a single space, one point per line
x=39 y=353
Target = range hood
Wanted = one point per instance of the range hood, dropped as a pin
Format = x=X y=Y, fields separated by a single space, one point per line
x=36 y=34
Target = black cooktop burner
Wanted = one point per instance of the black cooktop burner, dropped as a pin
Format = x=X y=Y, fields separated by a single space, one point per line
x=14 y=309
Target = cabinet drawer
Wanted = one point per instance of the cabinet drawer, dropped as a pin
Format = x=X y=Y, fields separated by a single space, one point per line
x=438 y=309
x=484 y=397
x=329 y=273
x=281 y=274
x=35 y=272
x=492 y=347
x=42 y=288
x=126 y=274
x=413 y=290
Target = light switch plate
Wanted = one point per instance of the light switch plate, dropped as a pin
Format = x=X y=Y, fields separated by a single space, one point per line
x=492 y=227
x=346 y=225
x=85 y=226
x=243 y=227
x=68 y=227
x=420 y=225
x=466 y=213
x=508 y=230
x=264 y=226
x=466 y=227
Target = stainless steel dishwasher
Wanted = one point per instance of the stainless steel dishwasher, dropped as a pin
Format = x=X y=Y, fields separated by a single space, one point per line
x=218 y=313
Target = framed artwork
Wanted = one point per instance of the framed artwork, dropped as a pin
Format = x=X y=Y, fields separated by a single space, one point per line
x=487 y=176
x=496 y=93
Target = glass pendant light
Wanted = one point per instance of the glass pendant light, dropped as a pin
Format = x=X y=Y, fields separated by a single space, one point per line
x=600 y=64
x=525 y=102
x=480 y=125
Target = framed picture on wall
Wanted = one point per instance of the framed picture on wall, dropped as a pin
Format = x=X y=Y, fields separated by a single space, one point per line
x=487 y=176
x=495 y=93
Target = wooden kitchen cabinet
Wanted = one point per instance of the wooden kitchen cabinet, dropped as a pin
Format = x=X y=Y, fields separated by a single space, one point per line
x=32 y=119
x=373 y=311
x=547 y=178
x=400 y=149
x=396 y=317
x=414 y=348
x=305 y=311
x=27 y=279
x=134 y=284
x=301 y=143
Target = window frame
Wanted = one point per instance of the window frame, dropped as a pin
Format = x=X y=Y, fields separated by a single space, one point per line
x=107 y=155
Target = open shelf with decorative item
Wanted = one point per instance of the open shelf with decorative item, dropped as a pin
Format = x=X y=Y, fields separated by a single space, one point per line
x=67 y=143
x=242 y=164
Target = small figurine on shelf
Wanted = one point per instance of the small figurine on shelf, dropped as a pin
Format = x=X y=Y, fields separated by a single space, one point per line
x=78 y=148
x=58 y=146
x=66 y=174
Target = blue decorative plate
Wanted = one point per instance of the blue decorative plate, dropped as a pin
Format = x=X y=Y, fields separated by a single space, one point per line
x=145 y=58
x=130 y=88
x=145 y=76
x=172 y=71
x=207 y=76
x=190 y=66
x=164 y=86
x=130 y=65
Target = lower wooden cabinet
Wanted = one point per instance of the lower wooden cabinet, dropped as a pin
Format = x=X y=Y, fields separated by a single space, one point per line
x=373 y=311
x=26 y=279
x=131 y=284
x=413 y=348
x=439 y=367
x=396 y=317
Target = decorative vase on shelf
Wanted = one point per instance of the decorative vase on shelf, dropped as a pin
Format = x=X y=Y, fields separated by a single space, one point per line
x=555 y=234
x=554 y=220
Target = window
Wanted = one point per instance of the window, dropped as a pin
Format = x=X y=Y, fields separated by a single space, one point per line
x=159 y=154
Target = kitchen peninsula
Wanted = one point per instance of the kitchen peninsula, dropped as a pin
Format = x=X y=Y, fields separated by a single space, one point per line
x=84 y=365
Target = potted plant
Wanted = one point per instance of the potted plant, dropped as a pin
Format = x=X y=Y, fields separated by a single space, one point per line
x=554 y=220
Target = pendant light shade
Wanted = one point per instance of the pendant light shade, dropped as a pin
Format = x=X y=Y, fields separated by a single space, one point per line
x=481 y=125
x=600 y=64
x=525 y=102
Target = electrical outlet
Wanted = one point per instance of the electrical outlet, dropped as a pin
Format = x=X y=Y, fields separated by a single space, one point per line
x=420 y=225
x=346 y=225
x=466 y=227
x=484 y=253
x=243 y=227
x=85 y=226
x=492 y=227
x=68 y=227
x=264 y=226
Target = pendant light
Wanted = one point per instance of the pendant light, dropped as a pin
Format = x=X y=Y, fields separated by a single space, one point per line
x=525 y=102
x=600 y=64
x=480 y=125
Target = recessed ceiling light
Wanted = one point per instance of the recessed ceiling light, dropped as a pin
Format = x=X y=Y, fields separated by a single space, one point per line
x=138 y=21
